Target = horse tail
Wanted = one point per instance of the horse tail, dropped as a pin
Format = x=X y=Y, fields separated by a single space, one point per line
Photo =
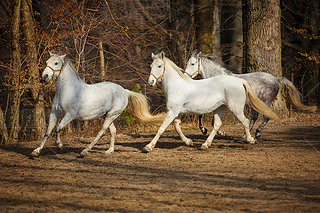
x=257 y=104
x=138 y=107
x=293 y=95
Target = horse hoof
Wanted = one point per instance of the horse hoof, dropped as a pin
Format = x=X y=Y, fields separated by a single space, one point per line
x=189 y=142
x=258 y=136
x=35 y=153
x=204 y=130
x=221 y=133
x=107 y=153
x=84 y=153
x=252 y=141
x=147 y=149
x=60 y=146
x=203 y=147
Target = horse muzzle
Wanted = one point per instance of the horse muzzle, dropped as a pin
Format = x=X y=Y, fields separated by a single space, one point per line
x=152 y=81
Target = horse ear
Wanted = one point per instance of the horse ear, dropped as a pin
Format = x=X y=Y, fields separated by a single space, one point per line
x=51 y=54
x=199 y=53
x=153 y=56
x=62 y=57
x=162 y=55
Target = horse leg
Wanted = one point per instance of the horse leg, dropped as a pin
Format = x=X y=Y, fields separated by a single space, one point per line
x=217 y=124
x=219 y=132
x=52 y=123
x=202 y=128
x=107 y=122
x=245 y=123
x=186 y=140
x=164 y=125
x=254 y=118
x=258 y=131
x=113 y=132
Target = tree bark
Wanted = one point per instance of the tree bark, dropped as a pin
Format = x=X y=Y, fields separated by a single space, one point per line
x=236 y=52
x=204 y=25
x=32 y=65
x=16 y=69
x=3 y=129
x=102 y=64
x=263 y=36
x=208 y=27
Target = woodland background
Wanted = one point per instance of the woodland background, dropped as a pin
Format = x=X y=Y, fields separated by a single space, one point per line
x=110 y=40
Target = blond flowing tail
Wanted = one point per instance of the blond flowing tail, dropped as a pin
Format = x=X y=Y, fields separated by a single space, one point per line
x=138 y=107
x=293 y=95
x=257 y=104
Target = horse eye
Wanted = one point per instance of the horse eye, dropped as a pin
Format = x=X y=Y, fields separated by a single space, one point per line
x=159 y=66
x=56 y=63
x=192 y=64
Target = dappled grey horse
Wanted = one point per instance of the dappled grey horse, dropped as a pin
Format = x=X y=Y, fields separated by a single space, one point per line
x=74 y=99
x=265 y=85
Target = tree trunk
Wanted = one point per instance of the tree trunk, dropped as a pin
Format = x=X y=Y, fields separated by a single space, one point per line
x=312 y=76
x=102 y=64
x=263 y=36
x=15 y=73
x=216 y=24
x=32 y=65
x=3 y=129
x=204 y=26
x=236 y=52
x=208 y=27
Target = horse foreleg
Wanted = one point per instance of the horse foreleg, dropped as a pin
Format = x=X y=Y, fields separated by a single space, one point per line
x=202 y=128
x=186 y=140
x=107 y=122
x=65 y=120
x=217 y=124
x=258 y=131
x=164 y=125
x=52 y=123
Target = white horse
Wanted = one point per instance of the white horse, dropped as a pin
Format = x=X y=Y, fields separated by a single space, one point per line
x=74 y=99
x=185 y=95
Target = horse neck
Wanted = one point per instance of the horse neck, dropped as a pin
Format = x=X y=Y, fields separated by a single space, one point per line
x=171 y=80
x=212 y=69
x=68 y=77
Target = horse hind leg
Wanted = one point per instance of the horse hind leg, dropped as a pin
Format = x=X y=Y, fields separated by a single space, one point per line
x=201 y=127
x=107 y=123
x=258 y=131
x=253 y=119
x=245 y=123
x=113 y=132
x=216 y=127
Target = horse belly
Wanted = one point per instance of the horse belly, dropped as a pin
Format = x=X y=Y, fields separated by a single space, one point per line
x=92 y=112
x=203 y=105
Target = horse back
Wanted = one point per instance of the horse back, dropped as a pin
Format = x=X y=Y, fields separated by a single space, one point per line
x=264 y=85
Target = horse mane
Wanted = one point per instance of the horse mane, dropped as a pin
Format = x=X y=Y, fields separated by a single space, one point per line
x=212 y=60
x=176 y=68
x=67 y=61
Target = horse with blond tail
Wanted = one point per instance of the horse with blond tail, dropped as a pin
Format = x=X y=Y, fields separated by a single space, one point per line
x=185 y=95
x=74 y=99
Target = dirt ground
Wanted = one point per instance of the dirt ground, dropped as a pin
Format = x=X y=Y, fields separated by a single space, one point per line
x=279 y=174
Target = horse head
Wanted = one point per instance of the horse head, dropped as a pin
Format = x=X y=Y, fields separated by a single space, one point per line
x=157 y=68
x=193 y=65
x=54 y=66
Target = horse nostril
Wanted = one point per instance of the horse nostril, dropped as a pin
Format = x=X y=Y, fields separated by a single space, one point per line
x=45 y=76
